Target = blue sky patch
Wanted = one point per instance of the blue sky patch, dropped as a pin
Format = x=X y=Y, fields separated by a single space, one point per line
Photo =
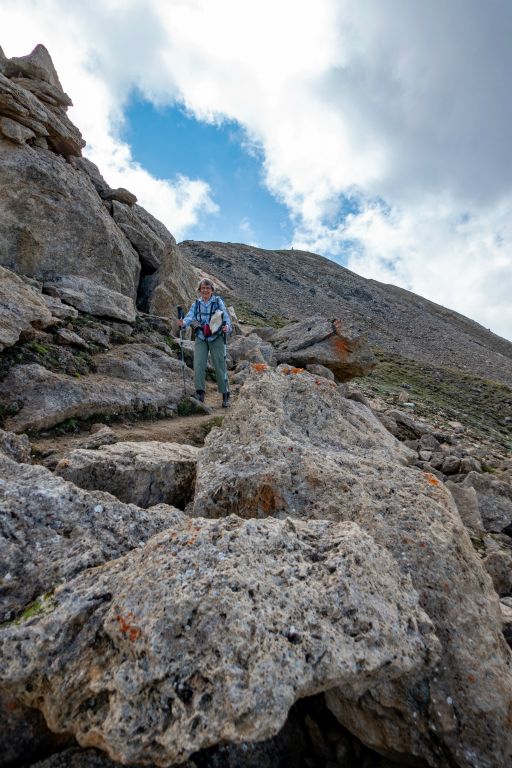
x=169 y=141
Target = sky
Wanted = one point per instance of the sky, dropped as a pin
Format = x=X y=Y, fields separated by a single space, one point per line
x=374 y=133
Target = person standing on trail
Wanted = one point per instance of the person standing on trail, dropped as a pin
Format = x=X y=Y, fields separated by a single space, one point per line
x=210 y=321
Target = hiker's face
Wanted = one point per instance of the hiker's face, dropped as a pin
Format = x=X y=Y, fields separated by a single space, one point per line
x=206 y=292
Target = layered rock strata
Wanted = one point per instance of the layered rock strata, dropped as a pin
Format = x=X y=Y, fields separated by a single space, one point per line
x=59 y=219
x=132 y=378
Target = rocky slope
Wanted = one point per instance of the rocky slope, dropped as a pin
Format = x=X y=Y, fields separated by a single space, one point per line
x=295 y=284
x=321 y=576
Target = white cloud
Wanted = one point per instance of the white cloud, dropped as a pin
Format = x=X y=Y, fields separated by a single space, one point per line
x=402 y=107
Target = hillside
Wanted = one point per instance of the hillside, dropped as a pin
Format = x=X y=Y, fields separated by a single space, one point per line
x=293 y=284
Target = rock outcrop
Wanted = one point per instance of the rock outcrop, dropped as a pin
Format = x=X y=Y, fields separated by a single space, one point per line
x=319 y=341
x=211 y=632
x=61 y=222
x=21 y=307
x=133 y=378
x=293 y=446
x=51 y=530
x=144 y=474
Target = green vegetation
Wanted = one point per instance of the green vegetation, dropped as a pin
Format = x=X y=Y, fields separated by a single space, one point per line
x=444 y=394
x=217 y=421
x=37 y=347
x=187 y=407
x=247 y=314
x=41 y=606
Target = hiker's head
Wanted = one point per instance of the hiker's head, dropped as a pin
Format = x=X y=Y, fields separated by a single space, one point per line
x=205 y=288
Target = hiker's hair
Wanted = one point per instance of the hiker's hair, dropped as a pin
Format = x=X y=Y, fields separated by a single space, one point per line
x=206 y=281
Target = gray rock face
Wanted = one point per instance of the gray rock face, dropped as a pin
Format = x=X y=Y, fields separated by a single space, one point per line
x=494 y=500
x=211 y=632
x=50 y=531
x=61 y=219
x=172 y=280
x=251 y=348
x=291 y=445
x=319 y=341
x=16 y=447
x=144 y=474
x=40 y=108
x=74 y=237
x=58 y=308
x=87 y=296
x=20 y=307
x=131 y=378
x=467 y=505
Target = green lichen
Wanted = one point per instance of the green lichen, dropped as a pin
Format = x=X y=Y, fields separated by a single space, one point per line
x=41 y=606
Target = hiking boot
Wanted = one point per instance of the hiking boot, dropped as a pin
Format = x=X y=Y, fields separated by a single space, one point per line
x=200 y=395
x=225 y=400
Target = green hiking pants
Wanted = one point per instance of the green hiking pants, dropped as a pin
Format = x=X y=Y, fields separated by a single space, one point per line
x=216 y=350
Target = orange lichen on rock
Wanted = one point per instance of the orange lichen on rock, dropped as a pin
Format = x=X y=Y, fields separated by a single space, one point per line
x=265 y=502
x=340 y=345
x=432 y=479
x=259 y=367
x=325 y=383
x=127 y=628
x=291 y=371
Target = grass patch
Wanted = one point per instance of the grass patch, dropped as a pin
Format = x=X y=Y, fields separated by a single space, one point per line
x=247 y=314
x=41 y=606
x=444 y=393
x=187 y=407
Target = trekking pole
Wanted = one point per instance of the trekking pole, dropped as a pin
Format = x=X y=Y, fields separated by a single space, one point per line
x=181 y=315
x=226 y=382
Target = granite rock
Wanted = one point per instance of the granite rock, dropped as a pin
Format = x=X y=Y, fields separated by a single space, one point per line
x=132 y=378
x=140 y=473
x=51 y=530
x=20 y=307
x=211 y=632
x=293 y=446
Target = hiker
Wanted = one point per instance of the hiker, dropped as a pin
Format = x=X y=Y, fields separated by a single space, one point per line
x=210 y=322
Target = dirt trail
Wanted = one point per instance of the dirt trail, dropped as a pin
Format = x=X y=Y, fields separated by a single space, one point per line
x=190 y=430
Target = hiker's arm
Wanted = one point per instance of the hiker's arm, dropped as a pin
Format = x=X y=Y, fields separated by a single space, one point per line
x=189 y=317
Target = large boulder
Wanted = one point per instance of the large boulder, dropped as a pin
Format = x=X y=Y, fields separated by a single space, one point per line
x=50 y=530
x=494 y=500
x=21 y=307
x=293 y=446
x=251 y=348
x=319 y=341
x=211 y=632
x=144 y=474
x=53 y=223
x=168 y=279
x=86 y=295
x=58 y=216
x=132 y=378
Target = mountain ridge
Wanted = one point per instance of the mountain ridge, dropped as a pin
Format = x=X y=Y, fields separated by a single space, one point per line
x=290 y=283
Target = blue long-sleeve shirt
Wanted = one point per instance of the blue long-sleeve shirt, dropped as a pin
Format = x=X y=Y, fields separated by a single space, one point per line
x=202 y=312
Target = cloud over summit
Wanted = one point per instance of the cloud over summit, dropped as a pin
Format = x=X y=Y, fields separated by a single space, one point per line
x=383 y=127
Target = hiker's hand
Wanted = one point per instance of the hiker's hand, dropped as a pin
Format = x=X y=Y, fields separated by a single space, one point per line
x=225 y=329
x=180 y=322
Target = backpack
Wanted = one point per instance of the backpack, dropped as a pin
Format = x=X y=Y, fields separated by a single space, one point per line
x=215 y=307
